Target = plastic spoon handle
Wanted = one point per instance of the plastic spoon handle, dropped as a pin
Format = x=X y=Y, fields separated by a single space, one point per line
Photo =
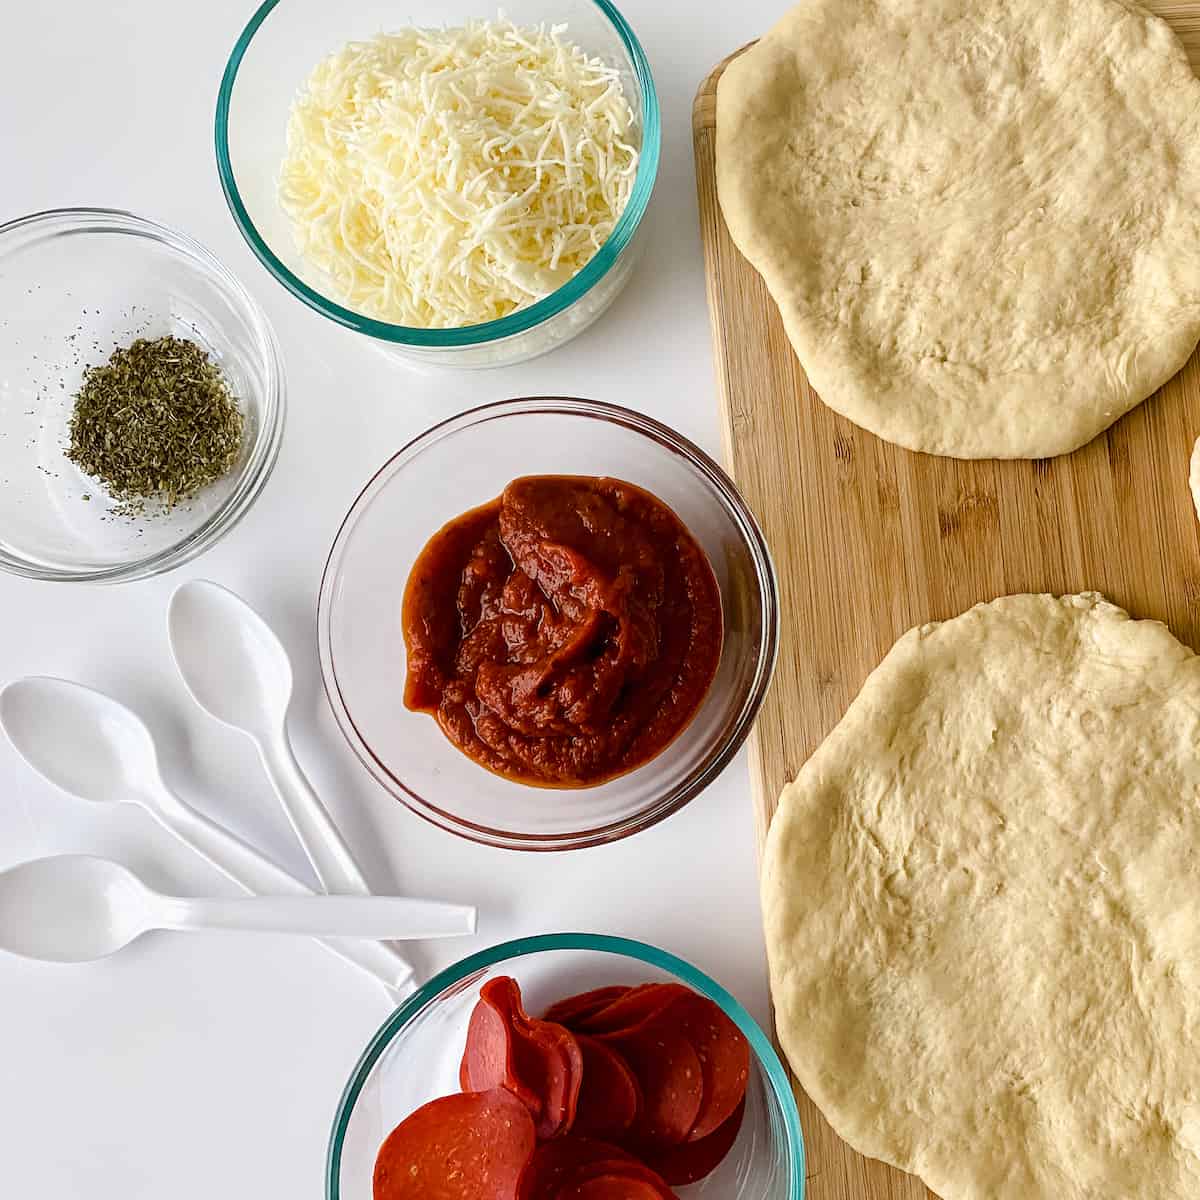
x=258 y=874
x=327 y=851
x=323 y=916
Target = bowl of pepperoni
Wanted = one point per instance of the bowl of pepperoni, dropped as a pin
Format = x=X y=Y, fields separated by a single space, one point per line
x=568 y=1067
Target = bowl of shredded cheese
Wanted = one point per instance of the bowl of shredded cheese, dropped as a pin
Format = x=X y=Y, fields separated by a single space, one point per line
x=465 y=187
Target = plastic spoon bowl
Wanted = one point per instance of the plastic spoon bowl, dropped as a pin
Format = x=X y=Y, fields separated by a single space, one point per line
x=94 y=748
x=76 y=908
x=238 y=672
x=231 y=661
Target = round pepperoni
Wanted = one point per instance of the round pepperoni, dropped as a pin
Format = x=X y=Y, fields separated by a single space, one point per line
x=610 y=1098
x=724 y=1056
x=556 y=1164
x=637 y=1008
x=538 y=1061
x=613 y=1187
x=470 y=1146
x=634 y=1170
x=669 y=1076
x=495 y=1056
x=691 y=1161
x=561 y=1076
x=580 y=1007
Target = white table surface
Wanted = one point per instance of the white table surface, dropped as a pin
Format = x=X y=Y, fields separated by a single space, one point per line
x=204 y=1066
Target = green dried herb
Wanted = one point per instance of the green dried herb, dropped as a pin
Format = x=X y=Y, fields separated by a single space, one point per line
x=155 y=422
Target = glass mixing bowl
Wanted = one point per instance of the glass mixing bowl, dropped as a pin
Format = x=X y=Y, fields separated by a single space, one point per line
x=285 y=40
x=414 y=1058
x=74 y=285
x=467 y=461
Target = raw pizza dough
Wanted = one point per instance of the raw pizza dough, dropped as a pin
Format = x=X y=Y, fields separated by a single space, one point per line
x=980 y=220
x=982 y=908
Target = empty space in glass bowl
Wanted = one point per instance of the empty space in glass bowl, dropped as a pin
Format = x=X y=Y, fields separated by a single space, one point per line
x=465 y=463
x=415 y=1058
x=73 y=288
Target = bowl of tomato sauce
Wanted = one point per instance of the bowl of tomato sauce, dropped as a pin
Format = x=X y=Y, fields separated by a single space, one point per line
x=547 y=623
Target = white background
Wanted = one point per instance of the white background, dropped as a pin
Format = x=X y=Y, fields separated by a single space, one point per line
x=198 y=1067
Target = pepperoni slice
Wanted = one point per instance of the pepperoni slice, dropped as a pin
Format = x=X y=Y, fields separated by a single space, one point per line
x=724 y=1057
x=495 y=1055
x=637 y=1008
x=580 y=1007
x=610 y=1097
x=672 y=1084
x=613 y=1187
x=555 y=1164
x=561 y=1072
x=633 y=1171
x=538 y=1061
x=691 y=1161
x=470 y=1146
x=560 y=1168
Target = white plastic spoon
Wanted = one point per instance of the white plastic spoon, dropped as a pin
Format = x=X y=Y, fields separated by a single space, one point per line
x=75 y=908
x=93 y=747
x=238 y=672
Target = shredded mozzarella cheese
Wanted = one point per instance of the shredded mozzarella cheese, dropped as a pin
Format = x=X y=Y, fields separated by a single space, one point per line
x=442 y=178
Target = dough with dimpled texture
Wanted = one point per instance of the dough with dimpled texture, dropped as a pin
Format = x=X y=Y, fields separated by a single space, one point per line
x=980 y=220
x=981 y=898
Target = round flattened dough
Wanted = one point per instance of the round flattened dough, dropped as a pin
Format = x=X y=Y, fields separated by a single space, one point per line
x=982 y=908
x=980 y=220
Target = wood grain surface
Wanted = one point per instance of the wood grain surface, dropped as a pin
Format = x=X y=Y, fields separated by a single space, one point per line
x=870 y=539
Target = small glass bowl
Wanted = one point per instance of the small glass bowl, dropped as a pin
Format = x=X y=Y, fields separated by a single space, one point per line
x=467 y=461
x=414 y=1058
x=275 y=54
x=74 y=285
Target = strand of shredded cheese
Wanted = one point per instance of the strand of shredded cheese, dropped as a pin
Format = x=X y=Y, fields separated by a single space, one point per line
x=442 y=178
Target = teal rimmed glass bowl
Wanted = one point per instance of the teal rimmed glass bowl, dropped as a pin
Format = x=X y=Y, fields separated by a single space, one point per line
x=273 y=57
x=415 y=1057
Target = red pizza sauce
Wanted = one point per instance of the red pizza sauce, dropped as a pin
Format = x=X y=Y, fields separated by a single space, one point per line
x=564 y=633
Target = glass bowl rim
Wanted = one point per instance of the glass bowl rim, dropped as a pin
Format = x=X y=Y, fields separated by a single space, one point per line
x=717 y=757
x=264 y=452
x=661 y=959
x=516 y=322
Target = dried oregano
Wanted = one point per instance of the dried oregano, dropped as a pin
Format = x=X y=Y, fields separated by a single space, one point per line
x=155 y=422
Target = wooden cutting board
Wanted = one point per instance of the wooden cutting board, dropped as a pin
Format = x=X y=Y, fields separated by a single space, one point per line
x=870 y=539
